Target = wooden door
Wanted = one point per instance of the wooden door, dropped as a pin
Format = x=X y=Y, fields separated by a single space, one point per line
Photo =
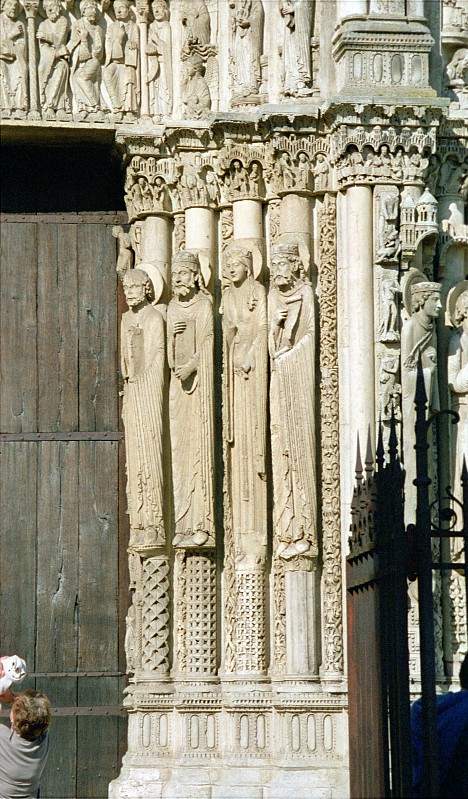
x=63 y=537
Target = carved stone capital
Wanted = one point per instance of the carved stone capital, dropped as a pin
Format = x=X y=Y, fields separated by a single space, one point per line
x=31 y=7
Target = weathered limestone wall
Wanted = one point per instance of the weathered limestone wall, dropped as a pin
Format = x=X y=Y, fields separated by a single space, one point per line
x=295 y=181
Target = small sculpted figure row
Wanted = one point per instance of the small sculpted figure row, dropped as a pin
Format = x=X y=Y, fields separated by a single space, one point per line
x=285 y=327
x=118 y=57
x=397 y=166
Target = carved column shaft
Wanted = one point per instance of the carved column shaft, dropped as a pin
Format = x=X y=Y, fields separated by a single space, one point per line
x=31 y=8
x=360 y=310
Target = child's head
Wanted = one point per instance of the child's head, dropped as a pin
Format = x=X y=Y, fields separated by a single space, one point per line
x=30 y=714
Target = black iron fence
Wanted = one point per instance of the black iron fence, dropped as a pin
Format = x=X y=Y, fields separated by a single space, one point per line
x=383 y=556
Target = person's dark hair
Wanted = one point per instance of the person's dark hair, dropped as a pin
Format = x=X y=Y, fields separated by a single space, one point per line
x=464 y=673
x=31 y=714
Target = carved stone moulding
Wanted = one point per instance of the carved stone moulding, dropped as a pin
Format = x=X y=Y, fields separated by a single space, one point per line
x=388 y=59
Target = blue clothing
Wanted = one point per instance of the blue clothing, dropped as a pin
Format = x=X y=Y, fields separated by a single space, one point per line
x=452 y=727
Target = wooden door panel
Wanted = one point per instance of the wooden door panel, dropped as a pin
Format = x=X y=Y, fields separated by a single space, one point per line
x=63 y=532
x=97 y=321
x=18 y=377
x=57 y=339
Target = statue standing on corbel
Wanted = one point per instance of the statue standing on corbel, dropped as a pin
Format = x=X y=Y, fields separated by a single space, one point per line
x=86 y=46
x=190 y=358
x=389 y=246
x=159 y=50
x=54 y=68
x=196 y=97
x=418 y=341
x=13 y=61
x=297 y=18
x=245 y=394
x=457 y=312
x=247 y=17
x=292 y=390
x=389 y=321
x=196 y=21
x=121 y=73
x=143 y=364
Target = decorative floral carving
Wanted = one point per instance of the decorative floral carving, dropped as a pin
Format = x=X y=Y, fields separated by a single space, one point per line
x=332 y=616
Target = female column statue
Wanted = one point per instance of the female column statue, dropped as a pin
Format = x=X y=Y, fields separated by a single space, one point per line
x=245 y=382
x=143 y=360
x=190 y=357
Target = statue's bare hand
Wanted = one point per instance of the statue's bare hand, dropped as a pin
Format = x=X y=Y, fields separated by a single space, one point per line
x=179 y=327
x=281 y=315
x=183 y=372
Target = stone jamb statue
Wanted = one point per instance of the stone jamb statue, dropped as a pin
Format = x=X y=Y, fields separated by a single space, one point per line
x=190 y=358
x=292 y=352
x=143 y=366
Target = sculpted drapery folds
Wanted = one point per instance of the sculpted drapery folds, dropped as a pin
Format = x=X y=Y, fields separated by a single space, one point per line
x=297 y=64
x=190 y=357
x=13 y=63
x=54 y=69
x=292 y=388
x=143 y=363
x=121 y=73
x=247 y=18
x=245 y=394
x=87 y=48
x=457 y=303
x=160 y=60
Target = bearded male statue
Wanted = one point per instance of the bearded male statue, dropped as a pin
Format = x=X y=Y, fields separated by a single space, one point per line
x=190 y=358
x=292 y=389
x=143 y=364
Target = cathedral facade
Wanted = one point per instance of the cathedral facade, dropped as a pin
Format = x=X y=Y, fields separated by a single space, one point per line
x=296 y=241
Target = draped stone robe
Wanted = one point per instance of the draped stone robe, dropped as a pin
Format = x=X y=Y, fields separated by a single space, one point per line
x=53 y=69
x=143 y=364
x=121 y=71
x=292 y=390
x=13 y=65
x=418 y=338
x=297 y=15
x=87 y=46
x=245 y=340
x=191 y=419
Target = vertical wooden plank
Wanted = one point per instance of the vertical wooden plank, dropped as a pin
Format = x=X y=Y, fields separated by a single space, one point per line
x=18 y=402
x=98 y=633
x=57 y=602
x=98 y=390
x=57 y=335
x=18 y=548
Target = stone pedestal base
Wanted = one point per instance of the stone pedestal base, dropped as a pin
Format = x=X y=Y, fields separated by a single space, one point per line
x=230 y=782
x=234 y=744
